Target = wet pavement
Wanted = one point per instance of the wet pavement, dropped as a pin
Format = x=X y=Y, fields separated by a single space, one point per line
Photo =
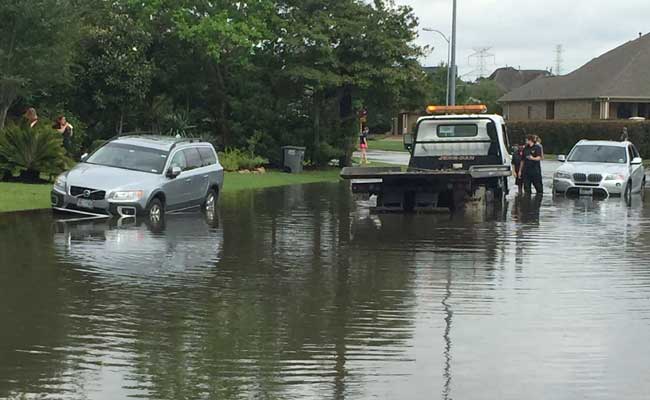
x=299 y=292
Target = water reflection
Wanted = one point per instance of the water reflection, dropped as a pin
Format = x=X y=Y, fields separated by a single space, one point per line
x=299 y=292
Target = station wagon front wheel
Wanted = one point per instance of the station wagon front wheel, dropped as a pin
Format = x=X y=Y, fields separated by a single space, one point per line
x=156 y=210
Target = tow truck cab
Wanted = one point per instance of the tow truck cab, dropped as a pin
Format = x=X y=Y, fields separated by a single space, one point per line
x=458 y=142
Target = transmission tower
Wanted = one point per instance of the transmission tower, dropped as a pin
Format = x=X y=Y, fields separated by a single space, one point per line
x=559 y=59
x=481 y=56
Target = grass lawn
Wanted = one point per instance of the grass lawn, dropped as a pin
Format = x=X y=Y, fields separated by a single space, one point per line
x=20 y=196
x=390 y=143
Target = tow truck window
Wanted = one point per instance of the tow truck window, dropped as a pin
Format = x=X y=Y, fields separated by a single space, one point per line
x=457 y=131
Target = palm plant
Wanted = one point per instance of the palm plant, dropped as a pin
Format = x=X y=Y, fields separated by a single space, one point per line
x=32 y=151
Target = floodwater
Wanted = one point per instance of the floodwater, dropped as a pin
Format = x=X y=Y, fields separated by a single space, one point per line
x=301 y=293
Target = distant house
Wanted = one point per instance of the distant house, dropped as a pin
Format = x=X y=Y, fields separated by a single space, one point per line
x=509 y=79
x=615 y=85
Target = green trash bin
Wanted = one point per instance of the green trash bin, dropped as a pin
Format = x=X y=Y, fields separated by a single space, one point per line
x=292 y=158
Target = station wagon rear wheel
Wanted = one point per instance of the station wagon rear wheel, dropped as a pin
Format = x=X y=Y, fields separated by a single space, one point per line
x=210 y=203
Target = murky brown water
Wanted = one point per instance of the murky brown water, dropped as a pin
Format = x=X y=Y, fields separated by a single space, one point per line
x=299 y=292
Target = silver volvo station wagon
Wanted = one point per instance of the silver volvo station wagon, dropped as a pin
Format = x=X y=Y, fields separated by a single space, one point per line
x=142 y=175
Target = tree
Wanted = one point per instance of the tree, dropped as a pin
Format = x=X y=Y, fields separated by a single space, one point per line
x=35 y=50
x=346 y=52
x=114 y=70
x=486 y=91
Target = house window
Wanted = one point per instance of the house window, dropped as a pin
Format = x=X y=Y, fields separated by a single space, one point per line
x=550 y=110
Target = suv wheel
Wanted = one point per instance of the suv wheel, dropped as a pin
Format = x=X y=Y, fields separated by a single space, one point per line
x=156 y=210
x=628 y=193
x=210 y=203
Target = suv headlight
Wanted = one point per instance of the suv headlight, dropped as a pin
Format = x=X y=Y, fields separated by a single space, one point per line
x=126 y=195
x=61 y=183
x=562 y=175
x=615 y=177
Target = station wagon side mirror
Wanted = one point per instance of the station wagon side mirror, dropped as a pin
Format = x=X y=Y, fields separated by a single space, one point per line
x=637 y=161
x=408 y=141
x=561 y=158
x=84 y=156
x=173 y=172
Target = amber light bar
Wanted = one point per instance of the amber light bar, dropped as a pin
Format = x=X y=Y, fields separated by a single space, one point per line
x=467 y=109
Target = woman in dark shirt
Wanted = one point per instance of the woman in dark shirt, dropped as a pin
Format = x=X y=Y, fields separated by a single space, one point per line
x=65 y=129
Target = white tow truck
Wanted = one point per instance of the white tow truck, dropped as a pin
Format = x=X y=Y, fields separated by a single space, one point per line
x=459 y=155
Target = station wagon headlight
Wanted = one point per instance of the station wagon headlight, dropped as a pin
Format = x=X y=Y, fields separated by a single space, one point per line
x=614 y=177
x=61 y=182
x=562 y=175
x=126 y=195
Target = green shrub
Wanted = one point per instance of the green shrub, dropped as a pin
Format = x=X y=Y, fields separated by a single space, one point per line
x=327 y=153
x=558 y=137
x=236 y=159
x=31 y=152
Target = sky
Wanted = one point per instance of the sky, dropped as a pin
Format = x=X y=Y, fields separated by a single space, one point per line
x=525 y=33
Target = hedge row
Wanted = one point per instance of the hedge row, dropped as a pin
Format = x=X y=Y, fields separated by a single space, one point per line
x=558 y=137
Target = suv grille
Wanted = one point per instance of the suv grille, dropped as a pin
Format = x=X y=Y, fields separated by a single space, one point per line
x=95 y=194
x=579 y=177
x=595 y=178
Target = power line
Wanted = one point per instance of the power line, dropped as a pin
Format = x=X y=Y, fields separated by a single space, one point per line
x=481 y=56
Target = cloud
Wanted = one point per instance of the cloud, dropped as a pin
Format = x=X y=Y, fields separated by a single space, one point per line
x=525 y=33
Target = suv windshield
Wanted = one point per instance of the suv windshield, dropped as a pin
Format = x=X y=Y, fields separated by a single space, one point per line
x=129 y=157
x=598 y=154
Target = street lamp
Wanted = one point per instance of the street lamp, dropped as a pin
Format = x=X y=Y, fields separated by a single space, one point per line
x=448 y=57
x=452 y=63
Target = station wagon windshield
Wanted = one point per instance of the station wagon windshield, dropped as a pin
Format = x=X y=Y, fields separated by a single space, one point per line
x=129 y=157
x=598 y=154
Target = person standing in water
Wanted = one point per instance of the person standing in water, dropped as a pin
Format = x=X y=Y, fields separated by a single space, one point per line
x=531 y=166
x=363 y=144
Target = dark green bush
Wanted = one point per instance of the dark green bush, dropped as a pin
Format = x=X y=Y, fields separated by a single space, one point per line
x=32 y=152
x=558 y=137
x=236 y=159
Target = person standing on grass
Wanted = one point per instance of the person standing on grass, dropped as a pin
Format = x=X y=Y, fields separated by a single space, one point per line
x=530 y=169
x=31 y=118
x=65 y=129
x=363 y=144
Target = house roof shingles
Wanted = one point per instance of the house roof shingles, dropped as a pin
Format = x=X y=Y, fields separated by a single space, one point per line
x=620 y=73
x=509 y=78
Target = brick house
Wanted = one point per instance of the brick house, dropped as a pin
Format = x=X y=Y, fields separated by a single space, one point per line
x=615 y=85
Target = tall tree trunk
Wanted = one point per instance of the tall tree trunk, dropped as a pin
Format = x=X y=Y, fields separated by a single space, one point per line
x=317 y=104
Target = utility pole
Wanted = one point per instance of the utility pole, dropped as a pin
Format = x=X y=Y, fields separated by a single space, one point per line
x=454 y=74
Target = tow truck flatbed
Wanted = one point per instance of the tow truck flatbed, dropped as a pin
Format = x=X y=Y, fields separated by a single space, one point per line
x=475 y=172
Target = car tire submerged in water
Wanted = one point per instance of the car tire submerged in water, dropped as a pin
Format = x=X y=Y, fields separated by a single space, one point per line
x=628 y=193
x=210 y=202
x=155 y=210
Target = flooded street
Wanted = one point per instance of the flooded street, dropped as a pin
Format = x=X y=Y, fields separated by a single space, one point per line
x=299 y=292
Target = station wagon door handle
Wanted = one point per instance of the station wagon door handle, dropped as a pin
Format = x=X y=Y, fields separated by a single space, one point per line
x=188 y=180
